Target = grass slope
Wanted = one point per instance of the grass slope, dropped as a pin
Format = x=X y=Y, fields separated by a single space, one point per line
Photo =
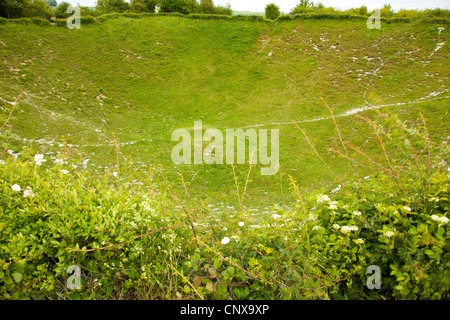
x=140 y=79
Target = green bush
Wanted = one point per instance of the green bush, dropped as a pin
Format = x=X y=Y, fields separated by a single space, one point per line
x=61 y=10
x=395 y=219
x=107 y=16
x=61 y=22
x=128 y=239
x=284 y=18
x=337 y=16
x=131 y=15
x=272 y=11
x=62 y=216
x=394 y=231
x=40 y=21
x=209 y=17
x=38 y=8
x=21 y=21
x=87 y=20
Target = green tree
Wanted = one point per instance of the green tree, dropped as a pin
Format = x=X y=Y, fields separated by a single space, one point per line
x=110 y=6
x=272 y=11
x=224 y=10
x=137 y=6
x=12 y=8
x=86 y=11
x=38 y=8
x=151 y=5
x=61 y=10
x=207 y=6
x=192 y=6
x=181 y=6
x=303 y=6
x=386 y=11
x=362 y=11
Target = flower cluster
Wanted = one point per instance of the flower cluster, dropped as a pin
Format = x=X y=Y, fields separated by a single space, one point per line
x=389 y=234
x=441 y=220
x=28 y=193
x=39 y=158
x=348 y=229
x=324 y=198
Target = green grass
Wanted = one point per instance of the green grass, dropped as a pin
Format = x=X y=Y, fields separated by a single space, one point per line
x=140 y=79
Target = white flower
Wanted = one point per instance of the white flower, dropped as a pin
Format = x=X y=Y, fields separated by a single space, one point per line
x=407 y=208
x=333 y=207
x=225 y=240
x=346 y=229
x=16 y=187
x=441 y=220
x=235 y=237
x=336 y=189
x=115 y=174
x=275 y=216
x=359 y=241
x=317 y=228
x=336 y=226
x=444 y=220
x=435 y=218
x=241 y=224
x=28 y=193
x=64 y=171
x=389 y=234
x=59 y=161
x=39 y=158
x=2 y=162
x=356 y=213
x=138 y=250
x=323 y=198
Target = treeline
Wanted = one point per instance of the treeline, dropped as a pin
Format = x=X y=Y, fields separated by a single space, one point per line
x=308 y=7
x=13 y=9
x=25 y=9
x=167 y=6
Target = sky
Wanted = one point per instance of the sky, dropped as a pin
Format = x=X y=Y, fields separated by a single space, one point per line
x=287 y=5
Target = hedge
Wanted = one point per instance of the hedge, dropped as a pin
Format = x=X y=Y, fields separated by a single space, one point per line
x=302 y=16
